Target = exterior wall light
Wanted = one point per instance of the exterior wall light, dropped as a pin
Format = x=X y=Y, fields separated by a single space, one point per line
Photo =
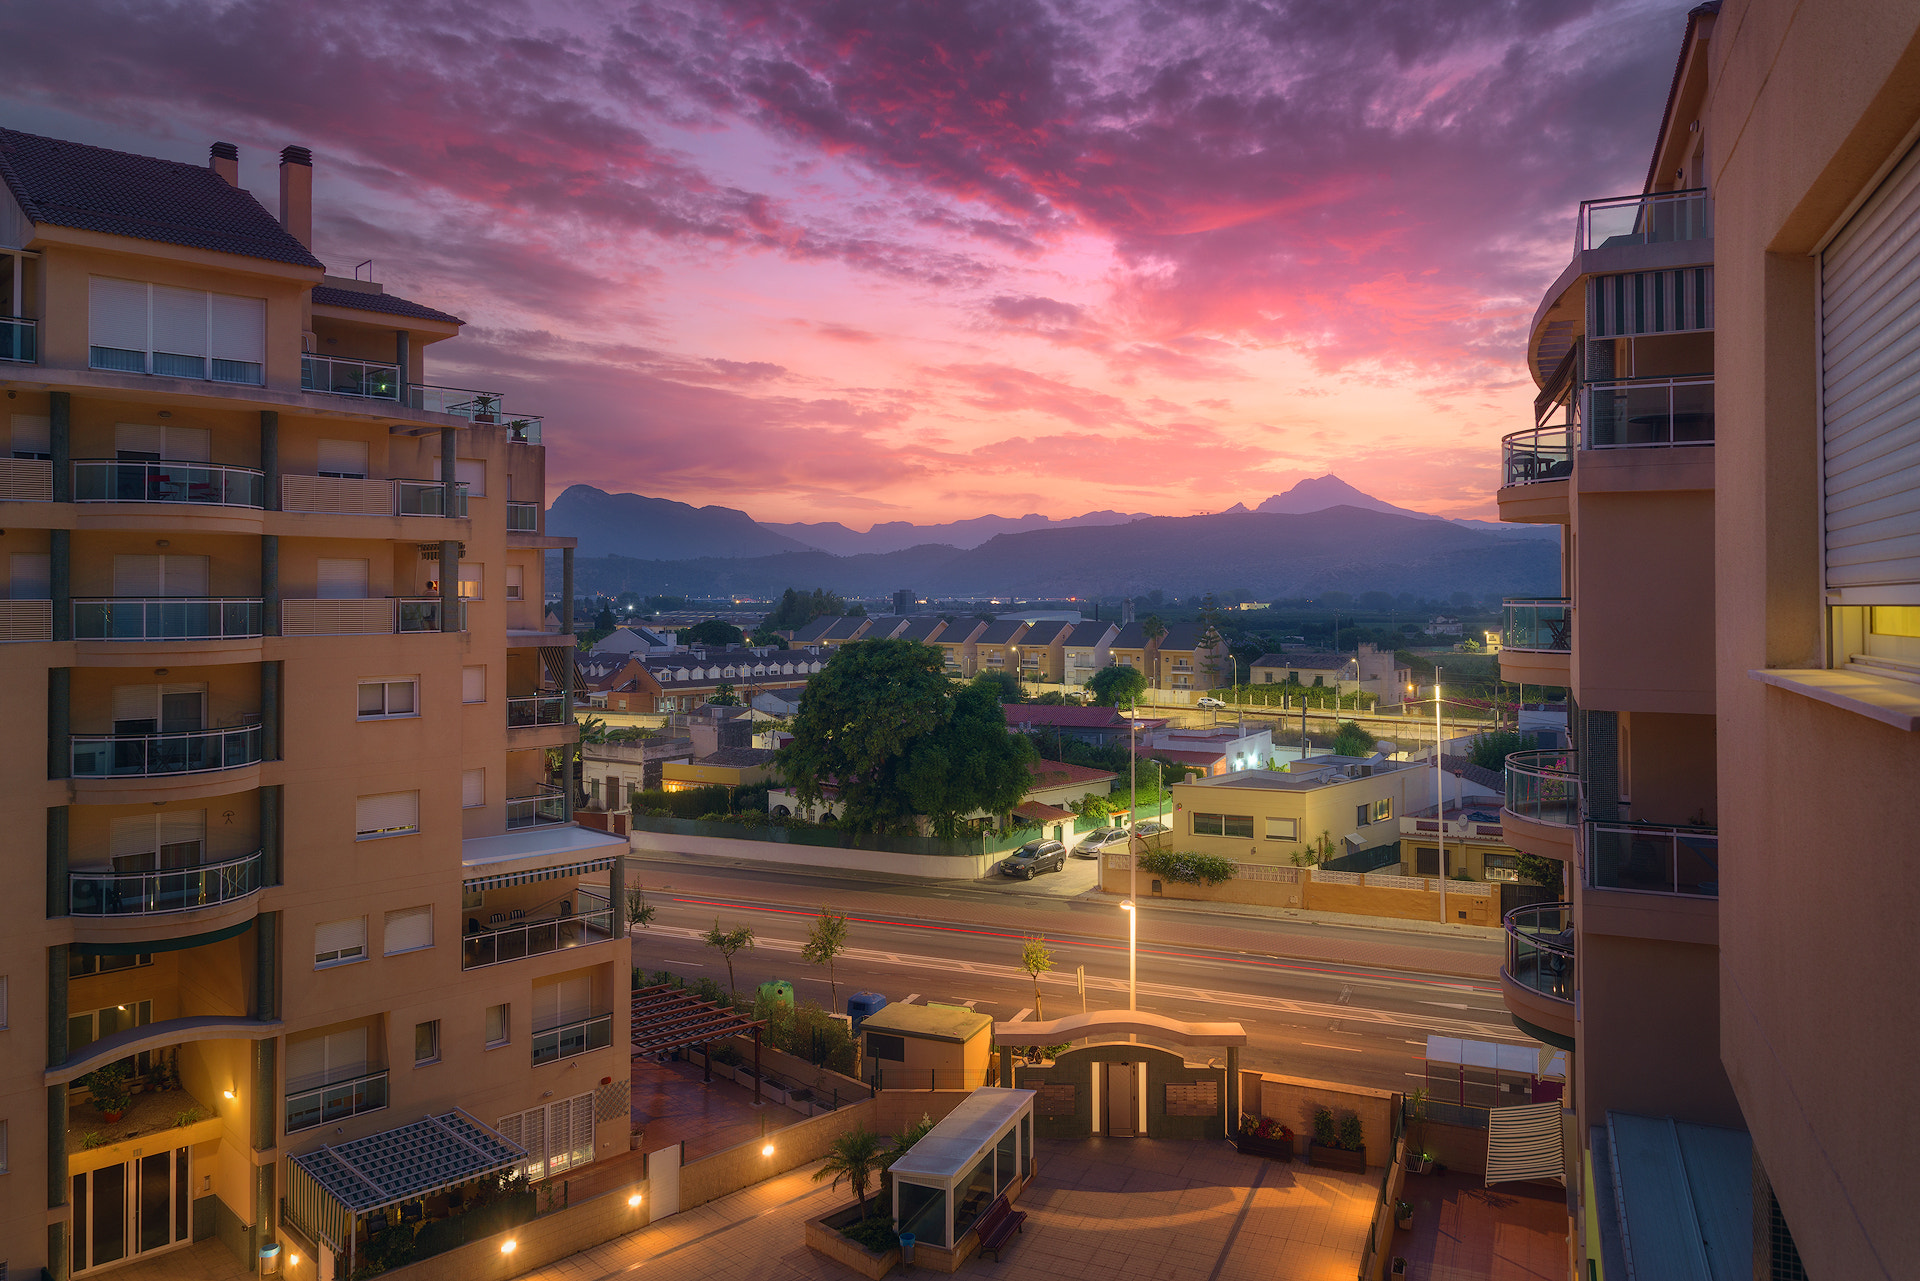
x=633 y=1201
x=509 y=1245
x=767 y=1150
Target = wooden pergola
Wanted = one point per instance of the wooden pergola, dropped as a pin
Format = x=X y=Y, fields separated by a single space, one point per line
x=667 y=1018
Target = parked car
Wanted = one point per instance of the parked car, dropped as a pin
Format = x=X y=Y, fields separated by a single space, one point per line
x=1098 y=839
x=1151 y=828
x=1035 y=857
x=1208 y=701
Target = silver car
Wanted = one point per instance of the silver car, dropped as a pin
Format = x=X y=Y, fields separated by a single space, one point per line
x=1099 y=839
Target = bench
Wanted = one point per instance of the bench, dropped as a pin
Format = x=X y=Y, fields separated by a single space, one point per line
x=1000 y=1222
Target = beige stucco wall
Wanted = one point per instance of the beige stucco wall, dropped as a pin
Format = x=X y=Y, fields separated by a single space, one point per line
x=1329 y=809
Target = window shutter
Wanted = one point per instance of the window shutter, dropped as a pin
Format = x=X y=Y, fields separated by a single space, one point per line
x=473 y=684
x=3 y=1000
x=138 y=834
x=473 y=473
x=342 y=937
x=342 y=579
x=136 y=575
x=473 y=788
x=179 y=321
x=470 y=581
x=389 y=812
x=239 y=329
x=558 y=1002
x=516 y=582
x=138 y=440
x=187 y=445
x=343 y=458
x=117 y=314
x=1870 y=369
x=31 y=576
x=136 y=703
x=409 y=929
x=580 y=1144
x=185 y=575
x=32 y=434
x=306 y=1060
x=179 y=827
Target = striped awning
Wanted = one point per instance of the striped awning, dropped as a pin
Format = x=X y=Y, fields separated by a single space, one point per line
x=329 y=1187
x=1525 y=1143
x=530 y=875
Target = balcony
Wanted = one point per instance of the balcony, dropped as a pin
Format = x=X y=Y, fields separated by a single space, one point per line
x=198 y=751
x=547 y=804
x=1645 y=413
x=523 y=518
x=583 y=924
x=363 y=616
x=157 y=893
x=26 y=480
x=26 y=620
x=101 y=480
x=474 y=406
x=19 y=339
x=1537 y=641
x=367 y=379
x=569 y=1039
x=1537 y=981
x=1536 y=455
x=1542 y=810
x=336 y=1101
x=168 y=618
x=1645 y=858
x=428 y=498
x=1658 y=218
x=358 y=496
x=541 y=709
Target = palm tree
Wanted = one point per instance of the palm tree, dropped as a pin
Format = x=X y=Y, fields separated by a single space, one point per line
x=856 y=1157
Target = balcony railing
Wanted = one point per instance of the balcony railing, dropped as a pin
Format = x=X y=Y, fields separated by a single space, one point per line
x=542 y=709
x=156 y=893
x=475 y=407
x=196 y=751
x=523 y=518
x=569 y=1039
x=428 y=498
x=363 y=616
x=1540 y=949
x=1544 y=787
x=1647 y=412
x=103 y=480
x=168 y=618
x=369 y=379
x=19 y=339
x=1537 y=454
x=336 y=1101
x=534 y=938
x=1541 y=624
x=546 y=805
x=26 y=620
x=423 y=614
x=1660 y=218
x=1649 y=859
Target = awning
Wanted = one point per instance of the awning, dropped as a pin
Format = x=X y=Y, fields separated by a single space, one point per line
x=331 y=1186
x=1525 y=1143
x=477 y=883
x=537 y=854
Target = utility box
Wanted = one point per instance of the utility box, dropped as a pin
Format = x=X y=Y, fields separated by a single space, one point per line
x=862 y=1004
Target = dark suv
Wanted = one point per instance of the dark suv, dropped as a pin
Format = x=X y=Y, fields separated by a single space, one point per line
x=1035 y=856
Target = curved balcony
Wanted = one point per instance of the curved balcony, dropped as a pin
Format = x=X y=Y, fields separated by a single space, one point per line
x=105 y=480
x=168 y=618
x=1643 y=413
x=199 y=751
x=1536 y=644
x=163 y=892
x=1537 y=981
x=1648 y=858
x=1536 y=471
x=1541 y=815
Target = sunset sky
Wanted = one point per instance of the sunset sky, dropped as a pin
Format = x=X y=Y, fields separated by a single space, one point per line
x=825 y=260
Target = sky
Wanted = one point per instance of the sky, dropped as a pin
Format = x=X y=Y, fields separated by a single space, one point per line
x=824 y=260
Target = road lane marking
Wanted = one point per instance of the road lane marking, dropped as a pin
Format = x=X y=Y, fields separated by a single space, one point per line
x=911 y=998
x=1021 y=1017
x=1350 y=1049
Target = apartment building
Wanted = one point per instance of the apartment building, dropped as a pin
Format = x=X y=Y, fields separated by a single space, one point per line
x=277 y=602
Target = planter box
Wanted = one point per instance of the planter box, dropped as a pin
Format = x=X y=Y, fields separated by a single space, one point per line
x=823 y=1237
x=1337 y=1158
x=1271 y=1149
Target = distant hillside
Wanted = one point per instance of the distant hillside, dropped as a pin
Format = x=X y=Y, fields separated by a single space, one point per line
x=896 y=535
x=658 y=528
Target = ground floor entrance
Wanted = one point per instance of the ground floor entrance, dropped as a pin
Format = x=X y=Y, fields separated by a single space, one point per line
x=121 y=1212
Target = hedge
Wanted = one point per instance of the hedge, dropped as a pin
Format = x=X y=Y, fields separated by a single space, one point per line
x=1188 y=867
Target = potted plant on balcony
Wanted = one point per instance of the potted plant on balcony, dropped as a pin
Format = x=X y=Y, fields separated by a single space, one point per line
x=1419 y=1159
x=107 y=1087
x=1265 y=1137
x=1337 y=1148
x=1403 y=1215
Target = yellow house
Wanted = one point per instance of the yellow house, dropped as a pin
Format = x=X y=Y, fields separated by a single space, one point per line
x=1337 y=803
x=728 y=767
x=1473 y=840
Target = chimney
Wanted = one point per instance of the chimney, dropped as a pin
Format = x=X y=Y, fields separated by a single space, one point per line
x=296 y=193
x=224 y=159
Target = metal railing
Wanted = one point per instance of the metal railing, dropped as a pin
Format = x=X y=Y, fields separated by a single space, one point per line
x=1642 y=412
x=475 y=407
x=155 y=893
x=422 y=614
x=1544 y=786
x=1664 y=217
x=1537 y=454
x=569 y=1039
x=1540 y=949
x=336 y=1101
x=523 y=518
x=168 y=618
x=370 y=379
x=1543 y=624
x=541 y=709
x=19 y=339
x=1647 y=858
x=104 y=480
x=196 y=751
x=546 y=805
x=521 y=939
x=428 y=498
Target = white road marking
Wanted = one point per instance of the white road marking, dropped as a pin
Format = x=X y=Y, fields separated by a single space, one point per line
x=911 y=998
x=1351 y=1049
x=1021 y=1017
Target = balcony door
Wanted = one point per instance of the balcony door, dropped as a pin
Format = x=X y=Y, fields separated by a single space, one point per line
x=121 y=1212
x=149 y=576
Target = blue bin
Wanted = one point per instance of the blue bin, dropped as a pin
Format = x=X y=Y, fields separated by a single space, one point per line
x=862 y=1005
x=906 y=1248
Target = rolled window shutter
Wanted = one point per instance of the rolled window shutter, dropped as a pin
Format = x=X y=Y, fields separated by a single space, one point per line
x=185 y=575
x=341 y=936
x=138 y=834
x=342 y=579
x=239 y=329
x=516 y=582
x=473 y=684
x=306 y=1062
x=347 y=1051
x=473 y=473
x=139 y=439
x=343 y=458
x=32 y=434
x=30 y=576
x=575 y=997
x=179 y=321
x=470 y=580
x=136 y=703
x=178 y=827
x=389 y=812
x=408 y=929
x=136 y=575
x=473 y=788
x=117 y=314
x=188 y=445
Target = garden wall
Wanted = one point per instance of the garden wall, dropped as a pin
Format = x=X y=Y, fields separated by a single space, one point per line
x=781 y=846
x=1323 y=890
x=1292 y=1101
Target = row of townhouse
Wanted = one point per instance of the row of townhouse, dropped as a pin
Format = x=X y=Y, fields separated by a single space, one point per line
x=274 y=599
x=1368 y=670
x=684 y=682
x=1052 y=651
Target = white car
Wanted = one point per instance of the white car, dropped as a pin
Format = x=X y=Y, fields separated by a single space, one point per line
x=1208 y=702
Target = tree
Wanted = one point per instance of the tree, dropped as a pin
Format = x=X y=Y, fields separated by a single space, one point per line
x=1352 y=740
x=968 y=763
x=1540 y=871
x=604 y=621
x=1036 y=960
x=723 y=696
x=797 y=609
x=1152 y=627
x=826 y=940
x=766 y=637
x=727 y=942
x=639 y=911
x=1117 y=685
x=1490 y=750
x=855 y=1157
x=856 y=610
x=716 y=632
x=1005 y=685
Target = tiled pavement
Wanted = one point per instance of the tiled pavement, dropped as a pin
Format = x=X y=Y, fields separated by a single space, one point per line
x=1465 y=1232
x=207 y=1260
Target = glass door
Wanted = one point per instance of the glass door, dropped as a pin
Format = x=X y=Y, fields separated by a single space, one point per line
x=123 y=1211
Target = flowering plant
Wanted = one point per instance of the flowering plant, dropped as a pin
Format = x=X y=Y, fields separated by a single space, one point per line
x=1263 y=1127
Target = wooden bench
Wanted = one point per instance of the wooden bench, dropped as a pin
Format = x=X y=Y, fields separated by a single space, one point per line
x=1000 y=1222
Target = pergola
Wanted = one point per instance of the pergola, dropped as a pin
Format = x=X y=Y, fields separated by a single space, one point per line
x=668 y=1018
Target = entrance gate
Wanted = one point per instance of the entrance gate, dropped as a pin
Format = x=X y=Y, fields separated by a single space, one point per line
x=124 y=1211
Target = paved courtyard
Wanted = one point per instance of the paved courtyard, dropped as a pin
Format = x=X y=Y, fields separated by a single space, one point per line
x=1463 y=1231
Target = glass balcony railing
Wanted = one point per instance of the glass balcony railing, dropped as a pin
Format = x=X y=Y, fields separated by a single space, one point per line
x=542 y=709
x=475 y=407
x=1650 y=859
x=1544 y=787
x=1543 y=624
x=19 y=339
x=371 y=379
x=1539 y=453
x=168 y=618
x=1657 y=218
x=547 y=805
x=102 y=480
x=423 y=614
x=150 y=755
x=519 y=939
x=1647 y=412
x=155 y=893
x=572 y=1038
x=523 y=518
x=428 y=498
x=1540 y=949
x=336 y=1101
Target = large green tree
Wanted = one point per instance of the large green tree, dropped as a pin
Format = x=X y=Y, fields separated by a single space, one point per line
x=713 y=631
x=1002 y=684
x=1352 y=739
x=797 y=609
x=970 y=763
x=1117 y=685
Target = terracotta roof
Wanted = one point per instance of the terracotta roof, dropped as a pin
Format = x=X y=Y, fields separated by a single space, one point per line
x=1019 y=714
x=1060 y=773
x=738 y=757
x=386 y=304
x=1034 y=811
x=1463 y=767
x=117 y=193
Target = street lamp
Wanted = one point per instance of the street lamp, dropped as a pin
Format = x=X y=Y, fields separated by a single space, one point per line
x=1133 y=850
x=1132 y=921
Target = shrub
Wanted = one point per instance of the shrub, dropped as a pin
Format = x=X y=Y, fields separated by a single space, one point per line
x=1323 y=1132
x=875 y=1232
x=1352 y=1138
x=1188 y=867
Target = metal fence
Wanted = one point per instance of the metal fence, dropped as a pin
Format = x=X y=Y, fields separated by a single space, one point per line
x=145 y=755
x=167 y=481
x=170 y=890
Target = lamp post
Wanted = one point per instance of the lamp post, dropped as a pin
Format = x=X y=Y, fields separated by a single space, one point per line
x=1439 y=793
x=1133 y=848
x=1132 y=920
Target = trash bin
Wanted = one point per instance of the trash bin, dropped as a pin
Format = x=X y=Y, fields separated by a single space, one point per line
x=269 y=1260
x=906 y=1248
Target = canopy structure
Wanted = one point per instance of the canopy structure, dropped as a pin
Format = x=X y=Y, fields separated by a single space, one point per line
x=1143 y=1023
x=1525 y=1143
x=669 y=1018
x=946 y=1181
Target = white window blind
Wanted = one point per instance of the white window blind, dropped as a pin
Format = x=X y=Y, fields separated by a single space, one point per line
x=170 y=707
x=238 y=331
x=179 y=319
x=150 y=833
x=155 y=440
x=32 y=435
x=30 y=576
x=161 y=575
x=470 y=578
x=473 y=684
x=342 y=579
x=330 y=1056
x=516 y=582
x=338 y=941
x=117 y=323
x=473 y=473
x=343 y=458
x=180 y=333
x=409 y=929
x=473 y=788
x=558 y=1002
x=388 y=813
x=1870 y=384
x=1283 y=829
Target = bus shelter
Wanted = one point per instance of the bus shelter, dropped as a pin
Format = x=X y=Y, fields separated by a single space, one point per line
x=949 y=1179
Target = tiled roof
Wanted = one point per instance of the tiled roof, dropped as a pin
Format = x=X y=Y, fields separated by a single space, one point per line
x=1182 y=636
x=738 y=757
x=924 y=628
x=116 y=193
x=1048 y=631
x=1305 y=662
x=1181 y=756
x=1002 y=632
x=1132 y=636
x=386 y=304
x=1088 y=634
x=1463 y=767
x=1019 y=714
x=1060 y=773
x=1035 y=812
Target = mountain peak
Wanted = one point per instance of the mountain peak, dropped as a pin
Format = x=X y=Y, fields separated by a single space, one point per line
x=1317 y=493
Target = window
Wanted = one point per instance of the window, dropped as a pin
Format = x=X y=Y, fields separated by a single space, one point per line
x=345 y=459
x=30 y=576
x=473 y=788
x=409 y=930
x=3 y=1152
x=473 y=684
x=1373 y=812
x=338 y=942
x=342 y=579
x=515 y=582
x=1208 y=825
x=388 y=814
x=141 y=328
x=32 y=437
x=1283 y=829
x=3 y=1002
x=80 y=963
x=85 y=1028
x=150 y=842
x=426 y=1043
x=498 y=1026
x=389 y=698
x=161 y=575
x=1426 y=860
x=153 y=442
x=1223 y=825
x=892 y=1049
x=470 y=581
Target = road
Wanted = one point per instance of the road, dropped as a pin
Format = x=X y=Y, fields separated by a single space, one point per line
x=1351 y=1023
